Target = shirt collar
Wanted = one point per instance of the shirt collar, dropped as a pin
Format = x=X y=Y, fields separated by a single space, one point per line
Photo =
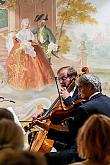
x=71 y=93
x=93 y=95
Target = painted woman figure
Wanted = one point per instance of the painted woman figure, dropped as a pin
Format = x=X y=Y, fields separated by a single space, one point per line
x=26 y=65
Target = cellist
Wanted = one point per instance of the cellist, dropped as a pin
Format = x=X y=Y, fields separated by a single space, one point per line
x=65 y=75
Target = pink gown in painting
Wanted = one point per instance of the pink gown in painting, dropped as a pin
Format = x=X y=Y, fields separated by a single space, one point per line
x=26 y=65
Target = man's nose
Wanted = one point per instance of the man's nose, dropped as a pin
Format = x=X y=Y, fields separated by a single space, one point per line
x=60 y=80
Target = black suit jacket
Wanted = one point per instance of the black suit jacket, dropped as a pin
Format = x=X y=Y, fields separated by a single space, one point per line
x=98 y=104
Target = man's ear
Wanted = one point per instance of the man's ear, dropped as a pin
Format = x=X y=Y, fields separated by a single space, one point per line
x=90 y=86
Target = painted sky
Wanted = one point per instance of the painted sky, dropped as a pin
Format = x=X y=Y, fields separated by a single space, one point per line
x=102 y=16
x=98 y=36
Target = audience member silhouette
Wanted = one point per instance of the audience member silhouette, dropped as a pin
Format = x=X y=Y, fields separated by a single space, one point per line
x=11 y=135
x=6 y=114
x=93 y=141
x=22 y=158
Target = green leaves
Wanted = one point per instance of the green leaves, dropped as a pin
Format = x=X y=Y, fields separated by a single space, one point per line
x=3 y=18
x=69 y=12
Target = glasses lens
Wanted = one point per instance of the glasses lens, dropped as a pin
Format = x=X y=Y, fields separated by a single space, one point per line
x=62 y=78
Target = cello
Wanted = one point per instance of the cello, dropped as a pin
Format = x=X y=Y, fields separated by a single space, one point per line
x=60 y=115
x=52 y=115
x=40 y=142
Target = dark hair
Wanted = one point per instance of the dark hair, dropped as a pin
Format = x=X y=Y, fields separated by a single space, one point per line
x=71 y=71
x=11 y=135
x=6 y=114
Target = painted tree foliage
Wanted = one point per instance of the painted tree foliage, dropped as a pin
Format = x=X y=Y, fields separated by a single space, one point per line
x=73 y=11
x=64 y=41
x=8 y=3
x=3 y=18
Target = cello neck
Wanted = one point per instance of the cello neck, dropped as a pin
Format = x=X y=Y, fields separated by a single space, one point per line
x=57 y=101
x=71 y=86
x=50 y=109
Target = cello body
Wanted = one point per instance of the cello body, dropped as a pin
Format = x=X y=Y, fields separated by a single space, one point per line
x=41 y=143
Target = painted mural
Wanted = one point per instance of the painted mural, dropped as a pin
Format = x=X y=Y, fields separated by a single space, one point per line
x=89 y=30
x=79 y=33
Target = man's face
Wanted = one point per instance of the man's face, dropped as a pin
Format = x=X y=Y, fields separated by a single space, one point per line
x=84 y=90
x=63 y=78
x=41 y=23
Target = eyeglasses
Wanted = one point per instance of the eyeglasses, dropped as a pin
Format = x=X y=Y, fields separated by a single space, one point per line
x=62 y=78
x=65 y=77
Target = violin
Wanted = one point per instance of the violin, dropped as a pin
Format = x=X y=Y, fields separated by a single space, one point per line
x=60 y=115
